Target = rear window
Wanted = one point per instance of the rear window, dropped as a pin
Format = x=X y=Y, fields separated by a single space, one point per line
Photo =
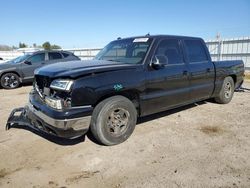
x=54 y=55
x=195 y=51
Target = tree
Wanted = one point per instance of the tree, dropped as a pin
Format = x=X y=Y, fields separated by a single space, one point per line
x=54 y=46
x=22 y=45
x=46 y=46
x=14 y=47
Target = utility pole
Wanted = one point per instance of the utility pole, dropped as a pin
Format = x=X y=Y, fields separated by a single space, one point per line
x=219 y=52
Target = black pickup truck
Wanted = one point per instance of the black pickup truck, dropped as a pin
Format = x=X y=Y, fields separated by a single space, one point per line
x=129 y=78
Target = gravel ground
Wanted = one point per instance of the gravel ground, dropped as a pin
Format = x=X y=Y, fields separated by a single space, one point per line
x=200 y=145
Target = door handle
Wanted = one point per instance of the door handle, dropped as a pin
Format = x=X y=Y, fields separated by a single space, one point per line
x=208 y=70
x=185 y=73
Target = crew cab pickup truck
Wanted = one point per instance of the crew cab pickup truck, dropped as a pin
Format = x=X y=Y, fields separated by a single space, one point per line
x=129 y=78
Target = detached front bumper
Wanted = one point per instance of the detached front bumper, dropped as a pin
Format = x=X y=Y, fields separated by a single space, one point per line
x=69 y=123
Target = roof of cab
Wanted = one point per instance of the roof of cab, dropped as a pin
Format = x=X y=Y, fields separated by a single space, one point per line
x=39 y=51
x=163 y=36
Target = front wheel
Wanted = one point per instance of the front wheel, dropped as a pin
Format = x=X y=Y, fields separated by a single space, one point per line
x=10 y=81
x=113 y=120
x=226 y=92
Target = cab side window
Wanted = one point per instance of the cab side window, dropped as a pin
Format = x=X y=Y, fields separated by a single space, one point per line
x=195 y=51
x=54 y=55
x=170 y=48
x=37 y=58
x=65 y=54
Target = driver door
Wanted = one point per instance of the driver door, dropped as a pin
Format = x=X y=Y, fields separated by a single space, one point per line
x=167 y=86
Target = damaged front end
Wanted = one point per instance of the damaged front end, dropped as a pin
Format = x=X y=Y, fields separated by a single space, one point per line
x=56 y=93
x=22 y=117
x=17 y=116
x=49 y=110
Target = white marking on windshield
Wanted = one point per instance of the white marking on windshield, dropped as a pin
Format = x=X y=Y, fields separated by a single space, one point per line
x=140 y=40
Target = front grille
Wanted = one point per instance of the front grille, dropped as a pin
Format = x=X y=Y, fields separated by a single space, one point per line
x=41 y=85
x=42 y=81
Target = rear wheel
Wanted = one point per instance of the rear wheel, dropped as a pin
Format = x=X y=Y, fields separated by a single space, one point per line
x=10 y=81
x=113 y=120
x=226 y=92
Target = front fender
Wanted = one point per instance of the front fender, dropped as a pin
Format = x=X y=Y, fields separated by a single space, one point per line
x=91 y=89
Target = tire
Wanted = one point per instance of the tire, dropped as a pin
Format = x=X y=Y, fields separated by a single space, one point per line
x=113 y=120
x=10 y=81
x=226 y=92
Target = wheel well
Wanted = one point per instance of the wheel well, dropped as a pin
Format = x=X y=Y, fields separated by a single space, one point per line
x=133 y=96
x=9 y=72
x=234 y=77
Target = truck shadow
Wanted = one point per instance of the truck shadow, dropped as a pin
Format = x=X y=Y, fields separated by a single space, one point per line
x=170 y=112
x=51 y=138
x=68 y=142
x=152 y=117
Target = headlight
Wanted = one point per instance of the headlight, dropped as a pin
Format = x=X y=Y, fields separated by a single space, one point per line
x=64 y=85
x=54 y=103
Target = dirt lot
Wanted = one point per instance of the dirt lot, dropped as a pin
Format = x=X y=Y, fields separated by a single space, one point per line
x=202 y=145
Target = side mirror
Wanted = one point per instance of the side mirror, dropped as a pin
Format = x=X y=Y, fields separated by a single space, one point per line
x=27 y=62
x=159 y=61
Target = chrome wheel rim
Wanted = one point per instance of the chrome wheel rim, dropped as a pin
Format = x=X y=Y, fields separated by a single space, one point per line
x=228 y=90
x=117 y=122
x=10 y=81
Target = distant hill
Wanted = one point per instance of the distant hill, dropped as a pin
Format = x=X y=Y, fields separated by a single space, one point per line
x=5 y=47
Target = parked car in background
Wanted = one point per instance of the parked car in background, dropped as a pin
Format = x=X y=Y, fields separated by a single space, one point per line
x=21 y=69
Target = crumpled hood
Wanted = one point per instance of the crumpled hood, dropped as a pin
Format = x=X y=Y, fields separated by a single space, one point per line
x=75 y=69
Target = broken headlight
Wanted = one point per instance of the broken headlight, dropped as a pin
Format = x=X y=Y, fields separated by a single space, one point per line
x=60 y=84
x=54 y=103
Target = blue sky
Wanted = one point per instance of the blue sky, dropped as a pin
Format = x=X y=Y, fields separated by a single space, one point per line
x=93 y=23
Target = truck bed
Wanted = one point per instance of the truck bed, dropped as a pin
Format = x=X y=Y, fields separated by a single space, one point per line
x=234 y=68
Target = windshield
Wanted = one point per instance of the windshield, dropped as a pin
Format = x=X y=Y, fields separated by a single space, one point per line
x=131 y=51
x=20 y=58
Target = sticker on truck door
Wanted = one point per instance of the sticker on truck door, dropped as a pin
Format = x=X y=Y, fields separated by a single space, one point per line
x=118 y=87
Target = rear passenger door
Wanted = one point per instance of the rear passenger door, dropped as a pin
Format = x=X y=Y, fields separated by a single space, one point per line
x=201 y=69
x=55 y=57
x=168 y=86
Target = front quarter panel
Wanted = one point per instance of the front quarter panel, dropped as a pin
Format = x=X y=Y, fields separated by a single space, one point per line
x=89 y=90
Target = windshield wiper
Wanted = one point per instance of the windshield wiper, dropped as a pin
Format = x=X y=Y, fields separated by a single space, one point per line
x=113 y=60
